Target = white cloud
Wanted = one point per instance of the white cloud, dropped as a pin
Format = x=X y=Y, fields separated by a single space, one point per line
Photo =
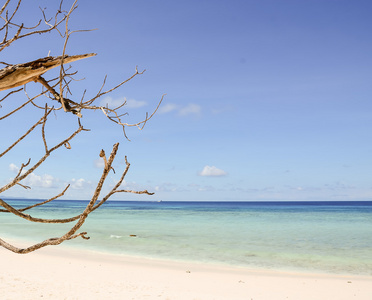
x=167 y=187
x=132 y=185
x=212 y=171
x=34 y=180
x=13 y=168
x=111 y=102
x=167 y=108
x=131 y=103
x=190 y=109
x=79 y=184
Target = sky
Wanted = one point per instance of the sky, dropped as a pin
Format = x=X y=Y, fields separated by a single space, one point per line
x=265 y=100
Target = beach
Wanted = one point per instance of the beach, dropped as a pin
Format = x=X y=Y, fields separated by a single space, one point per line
x=194 y=250
x=63 y=273
x=314 y=237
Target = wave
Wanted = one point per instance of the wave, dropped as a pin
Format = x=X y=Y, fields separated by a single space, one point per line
x=115 y=236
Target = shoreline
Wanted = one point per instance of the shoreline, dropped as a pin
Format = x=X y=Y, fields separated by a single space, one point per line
x=67 y=273
x=78 y=250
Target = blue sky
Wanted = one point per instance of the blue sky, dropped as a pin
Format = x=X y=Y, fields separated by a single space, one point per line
x=266 y=100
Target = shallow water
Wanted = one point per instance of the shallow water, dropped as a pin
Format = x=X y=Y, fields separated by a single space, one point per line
x=331 y=237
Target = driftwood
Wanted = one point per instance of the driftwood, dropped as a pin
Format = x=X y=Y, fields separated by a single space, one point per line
x=20 y=74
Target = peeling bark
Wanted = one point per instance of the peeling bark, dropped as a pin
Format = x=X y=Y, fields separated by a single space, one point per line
x=20 y=74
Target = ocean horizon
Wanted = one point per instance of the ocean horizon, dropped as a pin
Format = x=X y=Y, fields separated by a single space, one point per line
x=318 y=236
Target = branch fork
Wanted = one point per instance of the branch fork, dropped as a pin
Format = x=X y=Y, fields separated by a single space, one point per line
x=57 y=89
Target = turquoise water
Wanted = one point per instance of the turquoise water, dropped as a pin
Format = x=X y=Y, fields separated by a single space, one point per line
x=333 y=237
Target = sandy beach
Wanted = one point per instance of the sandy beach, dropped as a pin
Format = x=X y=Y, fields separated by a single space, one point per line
x=64 y=273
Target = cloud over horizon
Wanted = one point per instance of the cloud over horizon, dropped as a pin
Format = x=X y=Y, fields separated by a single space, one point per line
x=189 y=109
x=212 y=171
x=130 y=103
x=33 y=180
x=80 y=184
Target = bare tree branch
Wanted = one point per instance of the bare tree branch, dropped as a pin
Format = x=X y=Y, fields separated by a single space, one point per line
x=20 y=74
x=57 y=89
x=40 y=203
x=26 y=134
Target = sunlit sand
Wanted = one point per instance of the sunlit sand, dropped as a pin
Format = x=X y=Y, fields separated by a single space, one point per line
x=60 y=273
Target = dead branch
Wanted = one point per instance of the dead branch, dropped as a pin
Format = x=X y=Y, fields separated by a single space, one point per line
x=26 y=134
x=20 y=74
x=22 y=176
x=40 y=203
x=71 y=234
x=10 y=93
x=55 y=89
x=24 y=31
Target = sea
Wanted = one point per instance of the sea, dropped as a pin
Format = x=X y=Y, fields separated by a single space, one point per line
x=325 y=236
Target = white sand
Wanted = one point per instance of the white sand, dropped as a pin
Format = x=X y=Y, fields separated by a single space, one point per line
x=60 y=273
